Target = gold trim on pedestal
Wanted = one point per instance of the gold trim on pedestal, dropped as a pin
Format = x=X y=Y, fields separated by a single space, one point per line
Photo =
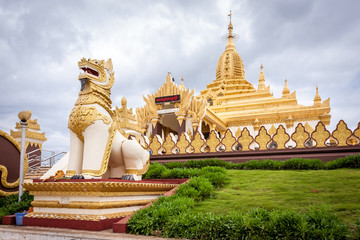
x=97 y=188
x=82 y=217
x=90 y=205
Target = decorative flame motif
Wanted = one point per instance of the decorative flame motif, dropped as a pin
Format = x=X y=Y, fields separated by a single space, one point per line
x=301 y=137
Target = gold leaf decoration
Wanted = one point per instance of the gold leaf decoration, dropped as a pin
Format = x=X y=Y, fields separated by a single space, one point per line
x=197 y=109
x=342 y=133
x=155 y=145
x=263 y=138
x=308 y=128
x=238 y=133
x=272 y=130
x=82 y=117
x=213 y=141
x=281 y=137
x=168 y=144
x=300 y=136
x=229 y=140
x=182 y=144
x=357 y=132
x=197 y=143
x=320 y=135
x=245 y=139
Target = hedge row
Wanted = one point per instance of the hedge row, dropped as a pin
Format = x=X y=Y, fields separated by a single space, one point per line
x=317 y=223
x=351 y=161
x=172 y=216
x=10 y=205
x=216 y=175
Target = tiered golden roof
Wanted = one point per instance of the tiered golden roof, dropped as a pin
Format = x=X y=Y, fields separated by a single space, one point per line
x=32 y=133
x=236 y=102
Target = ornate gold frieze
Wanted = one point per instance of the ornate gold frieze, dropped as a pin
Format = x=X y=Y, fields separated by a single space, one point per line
x=281 y=137
x=357 y=131
x=198 y=143
x=97 y=188
x=263 y=138
x=320 y=135
x=245 y=139
x=182 y=144
x=300 y=136
x=213 y=142
x=82 y=117
x=83 y=217
x=90 y=205
x=342 y=133
x=168 y=145
x=155 y=145
x=229 y=141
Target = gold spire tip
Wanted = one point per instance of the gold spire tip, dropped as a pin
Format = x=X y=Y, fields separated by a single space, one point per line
x=230 y=15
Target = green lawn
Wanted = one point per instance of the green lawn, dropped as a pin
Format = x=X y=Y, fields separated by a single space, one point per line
x=288 y=189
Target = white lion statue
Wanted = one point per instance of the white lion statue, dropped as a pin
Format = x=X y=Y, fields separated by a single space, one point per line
x=97 y=148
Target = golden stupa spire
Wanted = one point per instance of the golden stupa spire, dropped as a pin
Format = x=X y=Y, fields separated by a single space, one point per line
x=230 y=44
x=286 y=90
x=182 y=82
x=317 y=99
x=261 y=86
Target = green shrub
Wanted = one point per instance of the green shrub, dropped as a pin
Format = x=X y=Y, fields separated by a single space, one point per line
x=11 y=204
x=155 y=171
x=207 y=162
x=156 y=216
x=171 y=165
x=4 y=201
x=255 y=224
x=303 y=164
x=197 y=188
x=181 y=173
x=217 y=179
x=351 y=161
x=357 y=226
x=323 y=225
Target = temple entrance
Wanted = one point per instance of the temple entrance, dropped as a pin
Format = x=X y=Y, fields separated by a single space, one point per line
x=169 y=124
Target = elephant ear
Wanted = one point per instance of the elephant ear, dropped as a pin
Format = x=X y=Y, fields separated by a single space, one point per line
x=108 y=65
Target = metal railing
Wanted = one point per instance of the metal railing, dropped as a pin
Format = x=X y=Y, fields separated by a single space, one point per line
x=42 y=159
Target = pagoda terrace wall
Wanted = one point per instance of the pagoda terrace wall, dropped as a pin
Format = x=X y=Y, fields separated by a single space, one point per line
x=321 y=144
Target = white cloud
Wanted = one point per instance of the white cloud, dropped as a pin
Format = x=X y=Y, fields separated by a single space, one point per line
x=309 y=42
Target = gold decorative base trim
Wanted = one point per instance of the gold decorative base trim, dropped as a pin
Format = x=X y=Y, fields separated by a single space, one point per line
x=91 y=205
x=97 y=188
x=81 y=217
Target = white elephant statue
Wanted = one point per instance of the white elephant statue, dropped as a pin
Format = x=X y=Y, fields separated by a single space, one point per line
x=97 y=148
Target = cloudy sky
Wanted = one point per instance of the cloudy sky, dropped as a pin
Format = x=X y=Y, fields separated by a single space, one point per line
x=308 y=42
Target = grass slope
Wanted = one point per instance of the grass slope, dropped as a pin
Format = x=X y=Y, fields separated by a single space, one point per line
x=280 y=189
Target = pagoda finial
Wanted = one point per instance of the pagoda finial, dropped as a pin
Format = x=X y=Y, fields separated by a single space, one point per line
x=230 y=44
x=317 y=99
x=182 y=82
x=261 y=85
x=286 y=90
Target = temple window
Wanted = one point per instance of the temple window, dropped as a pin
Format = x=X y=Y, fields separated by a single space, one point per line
x=210 y=101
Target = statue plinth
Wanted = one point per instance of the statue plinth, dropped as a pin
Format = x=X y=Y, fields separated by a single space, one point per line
x=90 y=204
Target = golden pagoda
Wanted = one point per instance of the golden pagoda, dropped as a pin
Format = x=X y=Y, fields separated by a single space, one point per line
x=232 y=103
x=236 y=103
